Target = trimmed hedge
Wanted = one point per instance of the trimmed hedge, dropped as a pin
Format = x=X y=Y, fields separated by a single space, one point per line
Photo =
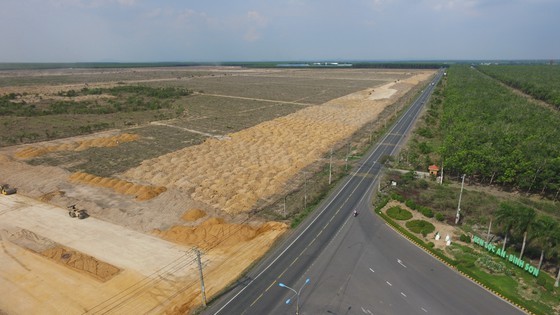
x=399 y=213
x=420 y=226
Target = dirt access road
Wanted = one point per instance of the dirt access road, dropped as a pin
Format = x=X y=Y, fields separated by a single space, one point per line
x=141 y=265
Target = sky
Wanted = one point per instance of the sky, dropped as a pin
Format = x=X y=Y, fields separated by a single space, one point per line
x=277 y=30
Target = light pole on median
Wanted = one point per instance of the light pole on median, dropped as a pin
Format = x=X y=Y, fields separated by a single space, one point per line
x=297 y=293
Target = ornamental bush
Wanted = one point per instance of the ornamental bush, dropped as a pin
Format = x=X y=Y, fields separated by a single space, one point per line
x=420 y=226
x=427 y=212
x=399 y=213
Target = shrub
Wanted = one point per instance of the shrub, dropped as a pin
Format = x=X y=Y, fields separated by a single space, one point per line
x=420 y=226
x=411 y=204
x=465 y=238
x=431 y=245
x=399 y=213
x=440 y=217
x=397 y=197
x=422 y=183
x=427 y=212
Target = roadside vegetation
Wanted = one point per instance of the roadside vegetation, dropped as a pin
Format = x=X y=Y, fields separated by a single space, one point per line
x=537 y=294
x=505 y=145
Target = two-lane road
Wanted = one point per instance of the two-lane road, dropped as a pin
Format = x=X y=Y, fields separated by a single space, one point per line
x=357 y=265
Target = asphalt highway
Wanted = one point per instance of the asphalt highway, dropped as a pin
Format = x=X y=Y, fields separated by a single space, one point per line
x=357 y=265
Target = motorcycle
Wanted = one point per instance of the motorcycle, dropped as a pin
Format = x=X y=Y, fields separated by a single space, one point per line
x=355 y=213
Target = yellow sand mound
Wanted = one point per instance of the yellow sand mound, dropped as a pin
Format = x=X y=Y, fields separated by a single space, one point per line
x=31 y=152
x=256 y=163
x=193 y=215
x=121 y=186
x=215 y=232
x=81 y=262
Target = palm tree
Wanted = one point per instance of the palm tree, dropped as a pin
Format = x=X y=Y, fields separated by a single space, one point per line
x=555 y=236
x=524 y=216
x=505 y=215
x=543 y=228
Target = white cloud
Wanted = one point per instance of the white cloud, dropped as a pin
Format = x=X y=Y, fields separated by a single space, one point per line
x=469 y=7
x=256 y=22
x=257 y=18
x=92 y=3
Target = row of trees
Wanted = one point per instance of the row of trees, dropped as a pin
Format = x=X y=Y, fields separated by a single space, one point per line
x=497 y=137
x=539 y=81
x=517 y=222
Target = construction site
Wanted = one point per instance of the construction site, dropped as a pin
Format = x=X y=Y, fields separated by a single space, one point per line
x=121 y=219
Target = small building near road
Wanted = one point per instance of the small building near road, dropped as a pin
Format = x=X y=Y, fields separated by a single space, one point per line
x=433 y=169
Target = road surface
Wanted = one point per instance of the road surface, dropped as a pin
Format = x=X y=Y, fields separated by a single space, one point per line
x=357 y=265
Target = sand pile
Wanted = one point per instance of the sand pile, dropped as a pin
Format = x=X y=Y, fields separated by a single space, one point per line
x=216 y=232
x=193 y=215
x=31 y=152
x=71 y=258
x=232 y=175
x=81 y=262
x=141 y=192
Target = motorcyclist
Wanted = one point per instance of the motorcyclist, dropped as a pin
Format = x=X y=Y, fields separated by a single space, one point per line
x=355 y=213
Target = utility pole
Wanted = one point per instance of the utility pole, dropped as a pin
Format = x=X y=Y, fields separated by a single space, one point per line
x=347 y=155
x=458 y=216
x=305 y=197
x=441 y=172
x=489 y=227
x=330 y=168
x=203 y=291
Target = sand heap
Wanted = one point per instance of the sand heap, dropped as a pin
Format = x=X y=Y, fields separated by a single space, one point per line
x=257 y=162
x=141 y=192
x=216 y=232
x=81 y=262
x=71 y=258
x=193 y=215
x=31 y=152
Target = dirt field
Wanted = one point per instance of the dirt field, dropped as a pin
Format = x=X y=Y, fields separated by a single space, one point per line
x=135 y=253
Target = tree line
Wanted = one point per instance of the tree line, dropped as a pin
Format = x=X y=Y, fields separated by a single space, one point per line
x=497 y=137
x=540 y=81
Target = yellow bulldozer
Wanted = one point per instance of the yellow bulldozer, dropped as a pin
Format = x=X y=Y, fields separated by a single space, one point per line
x=5 y=189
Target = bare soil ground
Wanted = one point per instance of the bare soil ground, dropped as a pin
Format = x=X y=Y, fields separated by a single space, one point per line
x=134 y=255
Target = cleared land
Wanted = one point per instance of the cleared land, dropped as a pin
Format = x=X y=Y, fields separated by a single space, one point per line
x=193 y=179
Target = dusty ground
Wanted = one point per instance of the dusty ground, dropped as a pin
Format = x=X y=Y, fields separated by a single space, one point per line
x=134 y=255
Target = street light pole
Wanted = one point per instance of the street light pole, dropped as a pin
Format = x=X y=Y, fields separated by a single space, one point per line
x=296 y=293
x=457 y=217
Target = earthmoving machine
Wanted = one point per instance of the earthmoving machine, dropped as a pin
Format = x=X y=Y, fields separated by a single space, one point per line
x=7 y=190
x=77 y=213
